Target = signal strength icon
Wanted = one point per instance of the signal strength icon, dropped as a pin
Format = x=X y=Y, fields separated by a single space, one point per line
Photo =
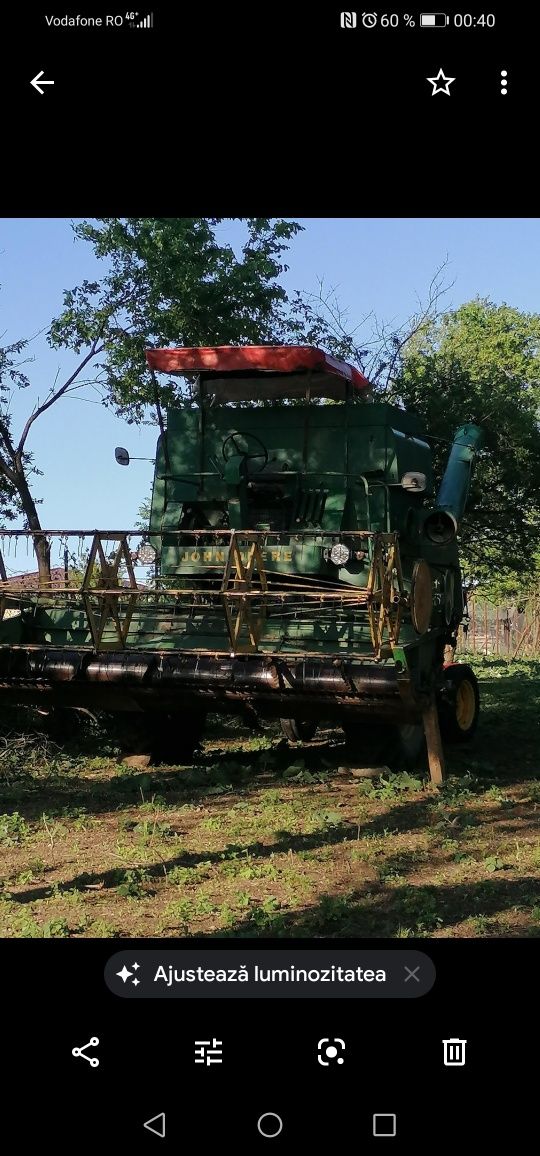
x=146 y=22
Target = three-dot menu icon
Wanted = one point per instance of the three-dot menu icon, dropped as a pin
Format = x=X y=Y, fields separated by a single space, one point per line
x=504 y=82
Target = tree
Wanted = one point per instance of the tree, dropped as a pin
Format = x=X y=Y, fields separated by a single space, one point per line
x=143 y=515
x=170 y=281
x=10 y=375
x=167 y=280
x=481 y=363
x=374 y=346
x=16 y=464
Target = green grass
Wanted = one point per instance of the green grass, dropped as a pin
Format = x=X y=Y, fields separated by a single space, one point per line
x=257 y=839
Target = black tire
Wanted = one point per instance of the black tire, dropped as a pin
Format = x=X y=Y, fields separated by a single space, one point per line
x=65 y=723
x=178 y=738
x=167 y=738
x=410 y=745
x=400 y=746
x=130 y=731
x=297 y=730
x=458 y=703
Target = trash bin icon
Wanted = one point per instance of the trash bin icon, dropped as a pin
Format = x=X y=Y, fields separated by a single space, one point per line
x=454 y=1053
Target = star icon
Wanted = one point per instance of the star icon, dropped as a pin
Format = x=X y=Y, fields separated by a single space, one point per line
x=445 y=81
x=136 y=982
x=124 y=974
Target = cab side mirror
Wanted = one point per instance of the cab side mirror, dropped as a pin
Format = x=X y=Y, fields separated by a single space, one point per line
x=414 y=482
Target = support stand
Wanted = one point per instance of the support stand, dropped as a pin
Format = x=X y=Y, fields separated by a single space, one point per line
x=434 y=745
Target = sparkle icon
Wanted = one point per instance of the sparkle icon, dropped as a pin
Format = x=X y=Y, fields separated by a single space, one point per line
x=124 y=974
x=441 y=83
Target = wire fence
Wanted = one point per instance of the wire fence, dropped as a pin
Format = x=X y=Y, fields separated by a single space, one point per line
x=511 y=630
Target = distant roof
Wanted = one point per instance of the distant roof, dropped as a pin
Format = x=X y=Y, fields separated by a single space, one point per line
x=30 y=581
x=58 y=578
x=248 y=372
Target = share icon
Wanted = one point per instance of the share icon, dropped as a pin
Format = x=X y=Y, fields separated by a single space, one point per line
x=92 y=1060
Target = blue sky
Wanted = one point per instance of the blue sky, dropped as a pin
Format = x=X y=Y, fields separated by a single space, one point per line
x=379 y=264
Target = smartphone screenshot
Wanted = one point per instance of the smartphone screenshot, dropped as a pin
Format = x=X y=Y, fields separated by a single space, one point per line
x=269 y=574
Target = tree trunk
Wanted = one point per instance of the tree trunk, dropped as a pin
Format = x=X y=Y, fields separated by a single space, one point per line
x=41 y=545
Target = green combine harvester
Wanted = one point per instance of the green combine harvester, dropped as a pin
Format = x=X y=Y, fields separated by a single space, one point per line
x=301 y=569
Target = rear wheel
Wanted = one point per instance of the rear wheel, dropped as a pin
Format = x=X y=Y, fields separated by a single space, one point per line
x=398 y=746
x=298 y=730
x=459 y=703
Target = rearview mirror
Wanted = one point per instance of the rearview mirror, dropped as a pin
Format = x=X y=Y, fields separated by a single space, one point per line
x=121 y=456
x=414 y=481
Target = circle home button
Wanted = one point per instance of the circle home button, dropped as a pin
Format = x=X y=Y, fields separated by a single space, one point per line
x=270 y=1125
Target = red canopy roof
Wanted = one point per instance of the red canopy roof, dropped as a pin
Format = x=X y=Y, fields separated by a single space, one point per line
x=255 y=358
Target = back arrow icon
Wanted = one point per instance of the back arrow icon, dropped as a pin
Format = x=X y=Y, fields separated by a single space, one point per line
x=156 y=1125
x=37 y=78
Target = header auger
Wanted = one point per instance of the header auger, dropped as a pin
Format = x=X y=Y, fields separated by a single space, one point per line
x=302 y=569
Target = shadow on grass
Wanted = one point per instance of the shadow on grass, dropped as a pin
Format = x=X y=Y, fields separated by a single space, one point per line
x=288 y=842
x=401 y=818
x=210 y=778
x=474 y=769
x=397 y=911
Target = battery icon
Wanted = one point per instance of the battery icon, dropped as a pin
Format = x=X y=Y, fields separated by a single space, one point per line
x=433 y=19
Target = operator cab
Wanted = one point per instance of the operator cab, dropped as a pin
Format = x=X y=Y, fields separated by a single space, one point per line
x=282 y=442
x=259 y=464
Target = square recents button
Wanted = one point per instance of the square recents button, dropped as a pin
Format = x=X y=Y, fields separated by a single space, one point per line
x=385 y=1124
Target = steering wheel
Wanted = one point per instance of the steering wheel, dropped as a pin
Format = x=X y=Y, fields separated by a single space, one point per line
x=237 y=451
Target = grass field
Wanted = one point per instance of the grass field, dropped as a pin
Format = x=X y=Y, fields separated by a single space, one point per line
x=258 y=839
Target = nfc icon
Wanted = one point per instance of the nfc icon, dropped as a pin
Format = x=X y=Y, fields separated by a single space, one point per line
x=348 y=19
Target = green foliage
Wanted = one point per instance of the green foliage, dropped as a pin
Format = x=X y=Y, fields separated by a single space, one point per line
x=143 y=514
x=131 y=886
x=391 y=787
x=169 y=281
x=100 y=929
x=13 y=829
x=28 y=928
x=326 y=819
x=481 y=363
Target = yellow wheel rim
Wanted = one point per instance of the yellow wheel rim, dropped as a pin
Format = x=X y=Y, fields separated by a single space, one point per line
x=465 y=705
